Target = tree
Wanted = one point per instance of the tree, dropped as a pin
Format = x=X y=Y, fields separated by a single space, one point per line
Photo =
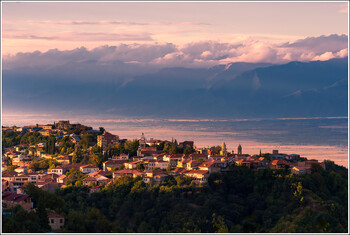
x=11 y=168
x=219 y=223
x=131 y=147
x=42 y=214
x=140 y=166
x=188 y=150
x=97 y=159
x=168 y=169
x=173 y=149
x=77 y=155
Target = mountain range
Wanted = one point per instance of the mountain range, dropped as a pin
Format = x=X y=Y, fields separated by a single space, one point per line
x=235 y=90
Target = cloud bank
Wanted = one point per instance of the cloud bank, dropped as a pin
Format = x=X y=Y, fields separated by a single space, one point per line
x=195 y=54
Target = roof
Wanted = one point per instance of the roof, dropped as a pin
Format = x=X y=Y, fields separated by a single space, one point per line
x=279 y=162
x=134 y=162
x=54 y=215
x=177 y=155
x=206 y=164
x=199 y=155
x=14 y=197
x=62 y=177
x=200 y=172
x=302 y=167
x=115 y=161
x=64 y=157
x=9 y=174
x=89 y=179
x=89 y=166
x=127 y=171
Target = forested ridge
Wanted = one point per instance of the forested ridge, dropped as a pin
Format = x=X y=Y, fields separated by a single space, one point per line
x=240 y=200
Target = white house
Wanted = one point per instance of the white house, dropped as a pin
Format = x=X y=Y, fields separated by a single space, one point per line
x=87 y=169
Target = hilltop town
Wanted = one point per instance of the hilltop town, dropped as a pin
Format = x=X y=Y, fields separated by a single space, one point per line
x=61 y=155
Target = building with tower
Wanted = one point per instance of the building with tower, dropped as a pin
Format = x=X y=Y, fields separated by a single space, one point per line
x=239 y=150
x=142 y=141
x=106 y=140
x=223 y=151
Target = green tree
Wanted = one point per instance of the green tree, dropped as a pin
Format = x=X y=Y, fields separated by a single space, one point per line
x=140 y=166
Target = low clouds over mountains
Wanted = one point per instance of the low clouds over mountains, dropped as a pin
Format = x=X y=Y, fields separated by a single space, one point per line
x=142 y=58
x=167 y=81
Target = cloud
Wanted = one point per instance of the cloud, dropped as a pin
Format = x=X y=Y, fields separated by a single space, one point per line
x=195 y=54
x=101 y=22
x=330 y=55
x=332 y=42
x=84 y=36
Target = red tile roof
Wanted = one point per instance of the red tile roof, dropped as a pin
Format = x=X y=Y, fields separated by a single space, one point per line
x=89 y=179
x=89 y=166
x=14 y=197
x=54 y=215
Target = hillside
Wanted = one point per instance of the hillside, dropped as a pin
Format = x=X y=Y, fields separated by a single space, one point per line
x=238 y=201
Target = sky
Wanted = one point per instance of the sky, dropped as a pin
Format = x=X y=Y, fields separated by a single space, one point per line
x=177 y=33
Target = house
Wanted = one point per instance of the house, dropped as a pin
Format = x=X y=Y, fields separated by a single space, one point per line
x=152 y=163
x=278 y=157
x=192 y=164
x=211 y=167
x=106 y=140
x=152 y=142
x=173 y=159
x=198 y=156
x=10 y=200
x=113 y=163
x=131 y=165
x=45 y=132
x=177 y=171
x=21 y=169
x=58 y=170
x=34 y=177
x=154 y=176
x=124 y=156
x=51 y=187
x=68 y=167
x=182 y=163
x=147 y=151
x=9 y=176
x=64 y=159
x=56 y=221
x=49 y=177
x=243 y=162
x=199 y=176
x=100 y=173
x=128 y=173
x=62 y=179
x=89 y=181
x=279 y=164
x=86 y=169
x=17 y=181
x=216 y=157
x=263 y=163
x=301 y=170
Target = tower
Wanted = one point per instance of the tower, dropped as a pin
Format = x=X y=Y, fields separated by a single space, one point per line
x=239 y=150
x=223 y=151
x=143 y=140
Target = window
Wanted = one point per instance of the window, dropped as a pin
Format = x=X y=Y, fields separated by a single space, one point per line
x=61 y=221
x=52 y=221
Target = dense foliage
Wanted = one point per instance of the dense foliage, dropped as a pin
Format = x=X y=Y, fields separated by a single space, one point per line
x=238 y=201
x=14 y=138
